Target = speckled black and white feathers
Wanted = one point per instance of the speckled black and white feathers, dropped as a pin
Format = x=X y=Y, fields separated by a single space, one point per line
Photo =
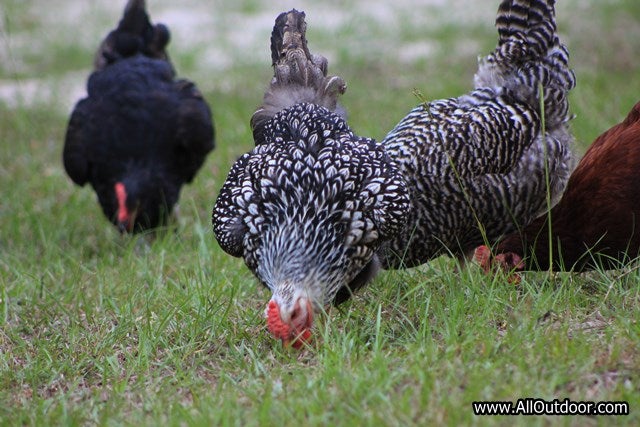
x=475 y=165
x=309 y=207
x=312 y=204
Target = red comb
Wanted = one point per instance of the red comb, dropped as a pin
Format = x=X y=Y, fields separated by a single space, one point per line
x=283 y=331
x=121 y=196
x=275 y=324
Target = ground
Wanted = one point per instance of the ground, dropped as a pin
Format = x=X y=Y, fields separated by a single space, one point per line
x=96 y=328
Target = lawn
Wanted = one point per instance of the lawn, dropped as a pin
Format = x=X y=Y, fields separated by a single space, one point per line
x=99 y=328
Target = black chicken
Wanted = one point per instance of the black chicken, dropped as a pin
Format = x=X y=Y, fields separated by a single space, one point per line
x=140 y=134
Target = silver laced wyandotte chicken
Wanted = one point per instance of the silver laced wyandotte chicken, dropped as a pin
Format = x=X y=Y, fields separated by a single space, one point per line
x=309 y=207
x=595 y=224
x=315 y=211
x=140 y=134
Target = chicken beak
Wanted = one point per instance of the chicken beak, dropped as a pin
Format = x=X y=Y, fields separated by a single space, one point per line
x=125 y=226
x=296 y=331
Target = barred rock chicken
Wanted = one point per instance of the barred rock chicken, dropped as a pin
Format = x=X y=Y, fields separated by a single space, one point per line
x=475 y=165
x=140 y=134
x=308 y=207
x=314 y=226
x=595 y=224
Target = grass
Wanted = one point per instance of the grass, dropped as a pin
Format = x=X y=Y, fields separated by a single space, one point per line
x=96 y=328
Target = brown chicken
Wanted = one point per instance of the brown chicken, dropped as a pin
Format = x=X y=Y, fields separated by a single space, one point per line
x=596 y=224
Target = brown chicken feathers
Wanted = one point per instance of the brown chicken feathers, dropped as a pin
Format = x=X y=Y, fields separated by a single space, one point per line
x=596 y=223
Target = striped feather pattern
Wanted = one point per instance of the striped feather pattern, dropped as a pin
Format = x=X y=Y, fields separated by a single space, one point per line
x=475 y=165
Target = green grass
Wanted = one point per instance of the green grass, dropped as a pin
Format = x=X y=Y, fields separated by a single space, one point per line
x=96 y=328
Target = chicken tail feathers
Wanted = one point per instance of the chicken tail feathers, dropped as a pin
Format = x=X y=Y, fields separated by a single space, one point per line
x=299 y=76
x=531 y=20
x=528 y=56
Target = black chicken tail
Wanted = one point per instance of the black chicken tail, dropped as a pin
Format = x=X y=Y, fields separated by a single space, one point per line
x=529 y=55
x=299 y=76
x=134 y=35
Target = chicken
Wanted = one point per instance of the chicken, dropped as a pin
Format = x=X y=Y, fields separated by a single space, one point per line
x=315 y=210
x=475 y=165
x=140 y=134
x=595 y=224
x=311 y=204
